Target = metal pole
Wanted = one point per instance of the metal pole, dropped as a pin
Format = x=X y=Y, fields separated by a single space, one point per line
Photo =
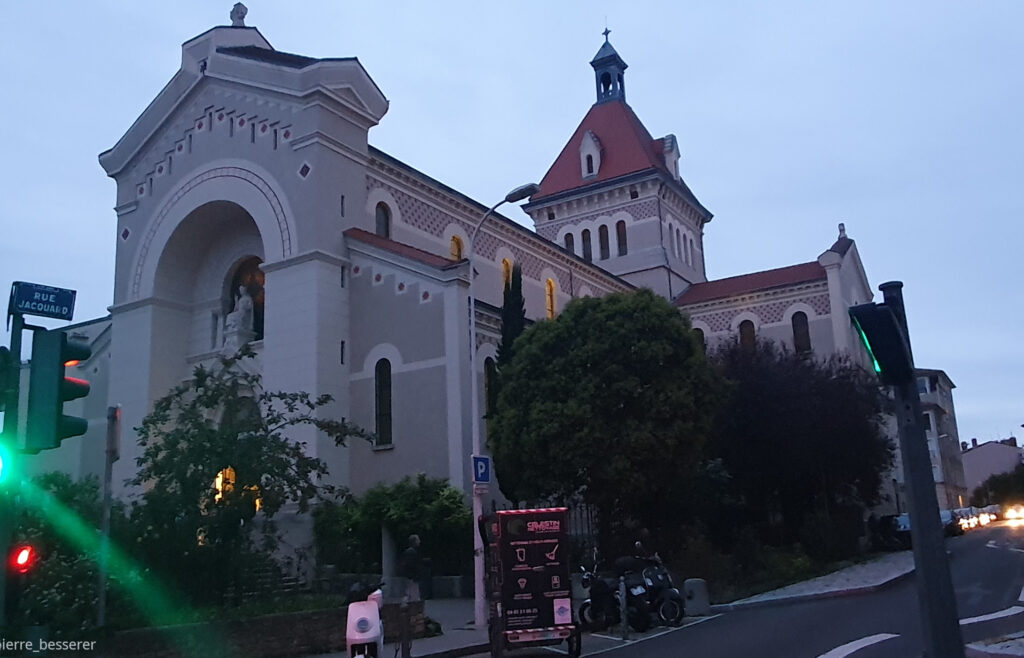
x=623 y=609
x=937 y=600
x=10 y=443
x=112 y=454
x=479 y=599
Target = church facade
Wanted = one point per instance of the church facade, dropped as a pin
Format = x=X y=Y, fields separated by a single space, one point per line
x=252 y=208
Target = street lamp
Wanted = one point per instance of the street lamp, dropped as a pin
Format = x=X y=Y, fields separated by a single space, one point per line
x=480 y=605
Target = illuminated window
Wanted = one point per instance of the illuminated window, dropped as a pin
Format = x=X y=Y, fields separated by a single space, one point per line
x=602 y=241
x=383 y=214
x=506 y=272
x=382 y=402
x=456 y=248
x=620 y=233
x=801 y=333
x=549 y=289
x=747 y=335
x=223 y=483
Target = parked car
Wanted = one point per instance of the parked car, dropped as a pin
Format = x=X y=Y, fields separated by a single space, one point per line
x=994 y=512
x=950 y=523
x=968 y=517
x=1015 y=512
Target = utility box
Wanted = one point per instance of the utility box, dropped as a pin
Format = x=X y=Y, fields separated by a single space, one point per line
x=695 y=591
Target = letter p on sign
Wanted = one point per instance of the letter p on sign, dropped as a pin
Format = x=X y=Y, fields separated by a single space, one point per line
x=481 y=469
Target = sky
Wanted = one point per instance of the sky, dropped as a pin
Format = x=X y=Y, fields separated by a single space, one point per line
x=901 y=120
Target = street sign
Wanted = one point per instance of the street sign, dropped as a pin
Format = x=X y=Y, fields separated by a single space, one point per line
x=481 y=469
x=47 y=301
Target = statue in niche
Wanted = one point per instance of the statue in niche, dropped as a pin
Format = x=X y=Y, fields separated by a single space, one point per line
x=238 y=325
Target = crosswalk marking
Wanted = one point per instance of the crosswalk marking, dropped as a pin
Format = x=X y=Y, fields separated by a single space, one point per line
x=995 y=615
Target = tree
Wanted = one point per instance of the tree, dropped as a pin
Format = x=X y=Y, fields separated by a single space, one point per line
x=611 y=402
x=216 y=463
x=513 y=315
x=1000 y=488
x=800 y=438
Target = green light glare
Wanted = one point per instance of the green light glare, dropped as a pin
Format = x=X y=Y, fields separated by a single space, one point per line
x=155 y=603
x=867 y=346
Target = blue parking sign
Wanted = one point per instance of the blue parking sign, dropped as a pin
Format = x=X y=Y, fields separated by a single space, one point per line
x=481 y=469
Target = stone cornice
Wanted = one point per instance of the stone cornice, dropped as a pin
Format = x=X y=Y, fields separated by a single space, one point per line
x=747 y=300
x=305 y=257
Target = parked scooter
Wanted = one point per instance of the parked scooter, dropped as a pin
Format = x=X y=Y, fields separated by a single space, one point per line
x=663 y=596
x=603 y=607
x=364 y=635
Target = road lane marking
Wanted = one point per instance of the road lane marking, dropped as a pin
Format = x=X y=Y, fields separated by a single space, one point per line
x=991 y=544
x=1017 y=550
x=638 y=639
x=1021 y=597
x=857 y=645
x=1015 y=610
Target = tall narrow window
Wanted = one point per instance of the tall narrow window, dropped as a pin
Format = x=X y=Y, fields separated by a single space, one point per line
x=549 y=293
x=382 y=402
x=456 y=247
x=590 y=164
x=490 y=390
x=585 y=239
x=801 y=333
x=620 y=233
x=602 y=240
x=570 y=243
x=383 y=220
x=747 y=335
x=699 y=333
x=506 y=272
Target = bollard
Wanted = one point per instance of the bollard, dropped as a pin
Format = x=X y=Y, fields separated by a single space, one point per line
x=622 y=608
x=695 y=591
x=406 y=642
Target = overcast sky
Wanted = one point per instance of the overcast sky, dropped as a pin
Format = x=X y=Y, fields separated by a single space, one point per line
x=902 y=120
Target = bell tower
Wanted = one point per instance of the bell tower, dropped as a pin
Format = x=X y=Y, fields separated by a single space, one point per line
x=608 y=73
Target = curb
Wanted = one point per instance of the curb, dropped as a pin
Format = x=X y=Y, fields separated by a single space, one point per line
x=467 y=650
x=801 y=598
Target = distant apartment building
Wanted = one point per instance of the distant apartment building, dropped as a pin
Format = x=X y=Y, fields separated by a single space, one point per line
x=939 y=420
x=982 y=461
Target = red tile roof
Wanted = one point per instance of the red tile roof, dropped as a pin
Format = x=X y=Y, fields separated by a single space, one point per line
x=747 y=283
x=401 y=249
x=626 y=147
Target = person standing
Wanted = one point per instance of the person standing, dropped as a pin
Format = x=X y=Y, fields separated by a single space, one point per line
x=411 y=568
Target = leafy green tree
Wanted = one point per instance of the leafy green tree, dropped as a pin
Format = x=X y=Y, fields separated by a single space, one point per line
x=800 y=438
x=348 y=531
x=609 y=402
x=513 y=315
x=1001 y=488
x=216 y=464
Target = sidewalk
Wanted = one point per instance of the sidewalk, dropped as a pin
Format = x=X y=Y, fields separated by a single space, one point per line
x=460 y=638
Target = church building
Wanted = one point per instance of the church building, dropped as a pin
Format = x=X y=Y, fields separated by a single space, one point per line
x=252 y=208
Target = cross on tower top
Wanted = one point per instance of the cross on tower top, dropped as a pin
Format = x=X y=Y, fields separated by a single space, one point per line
x=606 y=33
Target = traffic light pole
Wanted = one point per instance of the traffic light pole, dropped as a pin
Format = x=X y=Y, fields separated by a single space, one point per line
x=9 y=443
x=941 y=624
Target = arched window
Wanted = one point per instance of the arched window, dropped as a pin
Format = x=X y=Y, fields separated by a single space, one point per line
x=549 y=293
x=620 y=233
x=506 y=272
x=585 y=239
x=747 y=335
x=679 y=245
x=456 y=247
x=590 y=164
x=801 y=333
x=602 y=240
x=570 y=243
x=383 y=220
x=699 y=333
x=251 y=277
x=224 y=483
x=382 y=402
x=490 y=390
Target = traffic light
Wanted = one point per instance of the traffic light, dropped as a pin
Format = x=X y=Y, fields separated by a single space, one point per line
x=22 y=558
x=884 y=341
x=49 y=389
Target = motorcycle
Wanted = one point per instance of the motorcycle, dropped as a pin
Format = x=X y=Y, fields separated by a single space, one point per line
x=602 y=608
x=662 y=595
x=364 y=634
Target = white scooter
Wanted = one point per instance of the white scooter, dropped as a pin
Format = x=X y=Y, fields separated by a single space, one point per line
x=365 y=632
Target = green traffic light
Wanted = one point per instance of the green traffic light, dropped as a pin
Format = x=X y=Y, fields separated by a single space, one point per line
x=867 y=345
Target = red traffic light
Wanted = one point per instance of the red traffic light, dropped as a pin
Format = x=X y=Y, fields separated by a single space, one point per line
x=23 y=558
